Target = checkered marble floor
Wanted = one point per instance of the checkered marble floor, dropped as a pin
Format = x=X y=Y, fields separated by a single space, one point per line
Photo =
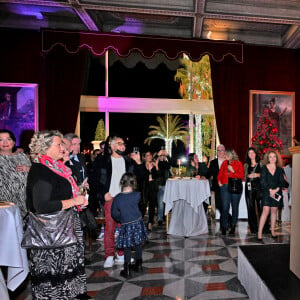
x=201 y=267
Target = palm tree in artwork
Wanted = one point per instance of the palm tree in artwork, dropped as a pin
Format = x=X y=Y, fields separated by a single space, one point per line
x=170 y=129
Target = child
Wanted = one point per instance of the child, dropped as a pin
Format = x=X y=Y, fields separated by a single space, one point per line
x=125 y=210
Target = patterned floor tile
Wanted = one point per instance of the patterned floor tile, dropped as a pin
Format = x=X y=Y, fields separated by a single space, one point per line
x=200 y=267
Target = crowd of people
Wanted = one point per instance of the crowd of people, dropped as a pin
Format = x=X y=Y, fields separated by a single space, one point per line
x=129 y=190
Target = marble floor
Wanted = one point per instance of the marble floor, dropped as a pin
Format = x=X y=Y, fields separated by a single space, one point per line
x=201 y=267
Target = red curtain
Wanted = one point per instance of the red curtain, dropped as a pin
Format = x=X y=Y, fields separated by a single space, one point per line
x=58 y=74
x=148 y=46
x=226 y=82
x=64 y=78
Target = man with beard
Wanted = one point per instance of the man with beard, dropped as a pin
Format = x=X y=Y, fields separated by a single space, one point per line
x=109 y=169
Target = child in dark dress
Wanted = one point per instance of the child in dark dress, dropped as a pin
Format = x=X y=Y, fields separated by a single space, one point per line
x=133 y=232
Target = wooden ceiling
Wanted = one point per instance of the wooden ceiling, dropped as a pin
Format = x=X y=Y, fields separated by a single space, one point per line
x=261 y=22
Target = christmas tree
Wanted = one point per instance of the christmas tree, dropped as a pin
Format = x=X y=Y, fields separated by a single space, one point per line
x=266 y=136
x=100 y=131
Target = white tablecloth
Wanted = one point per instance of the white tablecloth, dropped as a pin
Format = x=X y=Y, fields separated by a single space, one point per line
x=185 y=198
x=11 y=253
x=243 y=212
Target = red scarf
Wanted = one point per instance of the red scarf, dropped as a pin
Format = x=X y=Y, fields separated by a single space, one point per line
x=62 y=170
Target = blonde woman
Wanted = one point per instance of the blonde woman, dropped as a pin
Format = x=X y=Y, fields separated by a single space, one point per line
x=230 y=168
x=271 y=178
x=56 y=273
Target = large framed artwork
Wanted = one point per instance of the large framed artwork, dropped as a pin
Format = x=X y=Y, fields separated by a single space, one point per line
x=272 y=120
x=19 y=109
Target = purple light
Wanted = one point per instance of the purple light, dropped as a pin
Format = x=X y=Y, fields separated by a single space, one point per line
x=33 y=11
x=131 y=25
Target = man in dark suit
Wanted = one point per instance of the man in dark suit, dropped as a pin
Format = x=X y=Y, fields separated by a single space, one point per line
x=213 y=170
x=77 y=160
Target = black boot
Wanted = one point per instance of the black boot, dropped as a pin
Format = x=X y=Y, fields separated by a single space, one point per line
x=223 y=231
x=138 y=266
x=232 y=230
x=126 y=273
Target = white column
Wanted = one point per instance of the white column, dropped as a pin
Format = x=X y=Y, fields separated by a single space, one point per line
x=295 y=217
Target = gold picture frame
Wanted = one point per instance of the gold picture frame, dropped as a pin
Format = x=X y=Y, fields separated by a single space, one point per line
x=280 y=109
x=19 y=109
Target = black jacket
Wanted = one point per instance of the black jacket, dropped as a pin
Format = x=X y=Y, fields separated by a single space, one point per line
x=76 y=168
x=213 y=171
x=103 y=167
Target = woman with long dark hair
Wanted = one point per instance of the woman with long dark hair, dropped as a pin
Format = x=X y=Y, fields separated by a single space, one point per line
x=252 y=168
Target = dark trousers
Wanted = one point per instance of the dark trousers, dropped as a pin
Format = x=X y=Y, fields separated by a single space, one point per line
x=218 y=203
x=253 y=200
x=150 y=198
x=227 y=199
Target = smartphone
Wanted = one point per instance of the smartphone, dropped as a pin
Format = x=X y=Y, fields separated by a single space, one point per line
x=136 y=150
x=249 y=186
x=277 y=196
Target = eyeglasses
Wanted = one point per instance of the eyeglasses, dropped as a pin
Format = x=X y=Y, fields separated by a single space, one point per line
x=121 y=144
x=221 y=150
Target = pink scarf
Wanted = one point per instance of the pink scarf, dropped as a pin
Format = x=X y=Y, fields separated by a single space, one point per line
x=62 y=170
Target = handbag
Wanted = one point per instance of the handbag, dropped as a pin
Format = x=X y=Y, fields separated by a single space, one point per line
x=235 y=185
x=51 y=230
x=87 y=219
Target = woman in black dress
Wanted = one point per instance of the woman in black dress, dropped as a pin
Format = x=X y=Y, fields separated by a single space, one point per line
x=272 y=178
x=252 y=169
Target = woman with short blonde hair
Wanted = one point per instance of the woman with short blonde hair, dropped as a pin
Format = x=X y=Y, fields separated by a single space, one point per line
x=58 y=272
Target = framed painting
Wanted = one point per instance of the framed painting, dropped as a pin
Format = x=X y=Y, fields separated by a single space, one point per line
x=272 y=120
x=19 y=109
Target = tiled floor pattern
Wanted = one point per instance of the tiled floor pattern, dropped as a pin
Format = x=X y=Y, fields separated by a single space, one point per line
x=202 y=267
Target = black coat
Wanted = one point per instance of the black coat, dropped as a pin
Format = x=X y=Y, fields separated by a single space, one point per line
x=77 y=168
x=213 y=171
x=103 y=168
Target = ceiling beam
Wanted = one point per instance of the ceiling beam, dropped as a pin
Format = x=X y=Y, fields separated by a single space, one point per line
x=178 y=13
x=83 y=15
x=292 y=37
x=198 y=18
x=37 y=2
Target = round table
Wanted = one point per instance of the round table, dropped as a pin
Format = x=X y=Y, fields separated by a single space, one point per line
x=11 y=254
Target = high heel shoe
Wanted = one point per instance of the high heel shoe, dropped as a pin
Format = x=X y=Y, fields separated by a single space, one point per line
x=274 y=236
